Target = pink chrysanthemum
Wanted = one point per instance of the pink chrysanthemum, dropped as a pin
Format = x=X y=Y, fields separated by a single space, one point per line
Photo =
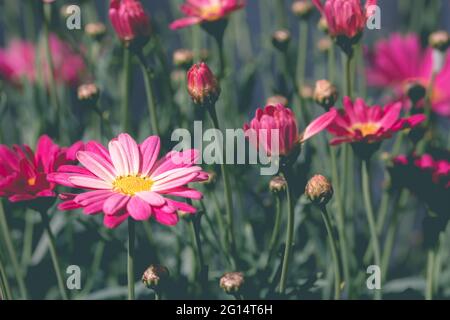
x=280 y=118
x=400 y=60
x=199 y=11
x=24 y=173
x=359 y=123
x=127 y=180
x=18 y=61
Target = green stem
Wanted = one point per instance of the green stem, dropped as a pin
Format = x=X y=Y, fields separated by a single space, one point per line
x=370 y=216
x=281 y=17
x=348 y=75
x=54 y=255
x=430 y=274
x=195 y=229
x=12 y=253
x=340 y=220
x=27 y=240
x=125 y=112
x=331 y=64
x=289 y=236
x=53 y=89
x=227 y=188
x=334 y=253
x=5 y=291
x=130 y=258
x=276 y=229
x=151 y=101
x=222 y=62
x=302 y=50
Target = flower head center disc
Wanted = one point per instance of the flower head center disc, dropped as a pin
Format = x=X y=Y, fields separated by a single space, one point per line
x=366 y=128
x=212 y=12
x=130 y=185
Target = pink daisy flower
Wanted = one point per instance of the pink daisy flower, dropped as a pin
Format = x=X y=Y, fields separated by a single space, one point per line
x=400 y=60
x=24 y=173
x=200 y=11
x=359 y=123
x=127 y=180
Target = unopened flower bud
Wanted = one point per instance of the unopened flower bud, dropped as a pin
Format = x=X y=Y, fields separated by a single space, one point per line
x=131 y=22
x=306 y=92
x=281 y=39
x=231 y=282
x=322 y=25
x=155 y=276
x=183 y=58
x=95 y=30
x=88 y=94
x=319 y=190
x=203 y=86
x=325 y=94
x=277 y=184
x=302 y=8
x=439 y=40
x=415 y=91
x=324 y=44
x=277 y=99
x=212 y=178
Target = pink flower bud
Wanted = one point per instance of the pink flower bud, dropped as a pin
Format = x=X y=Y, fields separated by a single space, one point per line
x=203 y=86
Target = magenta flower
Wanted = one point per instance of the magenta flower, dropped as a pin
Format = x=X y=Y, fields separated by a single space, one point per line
x=127 y=180
x=345 y=17
x=129 y=20
x=359 y=123
x=280 y=118
x=200 y=11
x=18 y=61
x=24 y=173
x=400 y=60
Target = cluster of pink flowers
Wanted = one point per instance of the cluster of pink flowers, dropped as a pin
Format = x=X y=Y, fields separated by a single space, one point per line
x=400 y=60
x=19 y=61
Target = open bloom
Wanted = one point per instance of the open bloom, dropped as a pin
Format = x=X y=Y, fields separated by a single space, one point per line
x=345 y=17
x=286 y=138
x=359 y=123
x=18 y=62
x=400 y=60
x=129 y=20
x=24 y=173
x=127 y=180
x=200 y=11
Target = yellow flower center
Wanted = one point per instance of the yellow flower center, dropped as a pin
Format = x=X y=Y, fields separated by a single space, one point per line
x=130 y=185
x=366 y=128
x=32 y=181
x=212 y=12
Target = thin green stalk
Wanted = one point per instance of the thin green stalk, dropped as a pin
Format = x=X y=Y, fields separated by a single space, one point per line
x=348 y=74
x=27 y=240
x=429 y=289
x=126 y=78
x=12 y=253
x=53 y=89
x=331 y=64
x=289 y=237
x=5 y=290
x=302 y=51
x=370 y=216
x=151 y=101
x=276 y=229
x=340 y=220
x=222 y=62
x=280 y=13
x=227 y=189
x=334 y=253
x=197 y=246
x=54 y=255
x=196 y=42
x=130 y=258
